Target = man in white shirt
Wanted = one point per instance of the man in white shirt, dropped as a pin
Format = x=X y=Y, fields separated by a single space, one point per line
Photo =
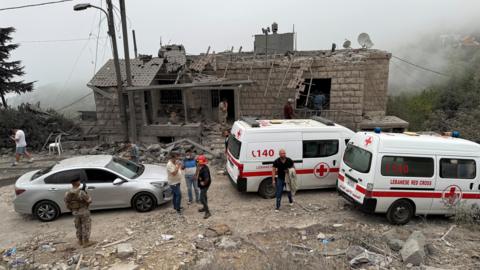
x=21 y=146
x=174 y=171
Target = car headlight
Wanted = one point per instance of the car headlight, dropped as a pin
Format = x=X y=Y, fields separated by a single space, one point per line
x=159 y=184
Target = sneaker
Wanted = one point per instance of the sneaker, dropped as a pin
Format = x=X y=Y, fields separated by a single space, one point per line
x=201 y=210
x=207 y=215
x=291 y=204
x=277 y=210
x=179 y=212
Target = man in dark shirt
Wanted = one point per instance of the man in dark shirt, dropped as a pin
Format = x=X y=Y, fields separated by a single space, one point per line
x=204 y=181
x=288 y=110
x=280 y=167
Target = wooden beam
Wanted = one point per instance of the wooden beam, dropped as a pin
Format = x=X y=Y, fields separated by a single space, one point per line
x=186 y=85
x=185 y=108
x=101 y=92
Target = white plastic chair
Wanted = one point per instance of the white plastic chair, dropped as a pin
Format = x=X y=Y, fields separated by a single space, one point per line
x=56 y=146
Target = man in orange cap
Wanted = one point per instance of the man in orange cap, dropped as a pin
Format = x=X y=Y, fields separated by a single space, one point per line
x=204 y=181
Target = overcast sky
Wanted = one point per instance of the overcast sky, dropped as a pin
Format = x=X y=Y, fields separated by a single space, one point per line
x=217 y=23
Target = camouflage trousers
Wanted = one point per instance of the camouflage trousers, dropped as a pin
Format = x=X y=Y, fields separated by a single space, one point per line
x=83 y=224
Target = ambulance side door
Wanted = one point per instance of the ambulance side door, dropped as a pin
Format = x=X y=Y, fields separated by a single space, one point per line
x=321 y=159
x=457 y=184
x=405 y=176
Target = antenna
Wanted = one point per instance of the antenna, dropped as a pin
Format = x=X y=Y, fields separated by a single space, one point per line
x=347 y=44
x=364 y=41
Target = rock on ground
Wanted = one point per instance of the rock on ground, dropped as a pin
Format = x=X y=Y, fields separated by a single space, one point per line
x=414 y=249
x=218 y=230
x=124 y=250
x=124 y=266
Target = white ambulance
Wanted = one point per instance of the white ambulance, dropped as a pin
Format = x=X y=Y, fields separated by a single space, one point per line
x=409 y=174
x=315 y=145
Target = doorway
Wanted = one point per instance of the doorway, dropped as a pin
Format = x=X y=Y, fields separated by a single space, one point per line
x=219 y=95
x=319 y=87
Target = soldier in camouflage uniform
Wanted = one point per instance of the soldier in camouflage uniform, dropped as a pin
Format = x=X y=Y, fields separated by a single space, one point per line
x=78 y=201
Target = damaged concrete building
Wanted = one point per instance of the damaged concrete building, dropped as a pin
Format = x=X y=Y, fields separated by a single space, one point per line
x=175 y=93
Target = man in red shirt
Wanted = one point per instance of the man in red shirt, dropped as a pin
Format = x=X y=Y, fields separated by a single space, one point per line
x=288 y=110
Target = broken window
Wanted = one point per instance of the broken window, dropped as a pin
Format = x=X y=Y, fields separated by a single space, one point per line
x=318 y=98
x=171 y=97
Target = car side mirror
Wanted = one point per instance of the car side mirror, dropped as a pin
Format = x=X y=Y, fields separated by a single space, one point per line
x=118 y=181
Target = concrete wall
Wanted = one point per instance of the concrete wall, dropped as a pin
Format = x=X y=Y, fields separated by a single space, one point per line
x=276 y=43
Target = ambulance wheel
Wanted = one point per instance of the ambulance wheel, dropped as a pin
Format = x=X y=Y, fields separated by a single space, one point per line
x=266 y=189
x=400 y=212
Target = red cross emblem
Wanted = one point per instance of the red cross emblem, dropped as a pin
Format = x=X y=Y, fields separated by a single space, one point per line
x=452 y=195
x=321 y=170
x=239 y=133
x=368 y=141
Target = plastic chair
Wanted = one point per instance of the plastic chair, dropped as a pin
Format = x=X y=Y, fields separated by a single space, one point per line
x=56 y=146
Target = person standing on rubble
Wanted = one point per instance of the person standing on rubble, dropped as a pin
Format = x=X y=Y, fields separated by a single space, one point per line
x=20 y=146
x=288 y=112
x=223 y=112
x=134 y=153
x=281 y=167
x=78 y=201
x=190 y=169
x=204 y=181
x=174 y=172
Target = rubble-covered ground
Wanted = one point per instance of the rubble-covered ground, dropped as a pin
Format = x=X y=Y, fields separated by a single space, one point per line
x=320 y=231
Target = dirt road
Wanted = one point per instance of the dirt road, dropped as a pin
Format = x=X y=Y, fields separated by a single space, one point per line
x=252 y=220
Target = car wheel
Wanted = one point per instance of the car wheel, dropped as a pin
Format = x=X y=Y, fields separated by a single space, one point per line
x=400 y=212
x=46 y=211
x=144 y=202
x=266 y=189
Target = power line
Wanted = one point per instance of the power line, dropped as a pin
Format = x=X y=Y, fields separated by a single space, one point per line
x=75 y=102
x=35 y=5
x=60 y=40
x=420 y=67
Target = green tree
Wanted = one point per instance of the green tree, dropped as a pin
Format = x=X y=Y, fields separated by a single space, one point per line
x=10 y=70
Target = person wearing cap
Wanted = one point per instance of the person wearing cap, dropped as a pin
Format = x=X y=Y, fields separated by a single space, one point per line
x=288 y=112
x=189 y=166
x=174 y=176
x=204 y=181
x=78 y=201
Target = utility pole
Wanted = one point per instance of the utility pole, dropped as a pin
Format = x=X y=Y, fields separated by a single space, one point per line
x=121 y=104
x=134 y=44
x=131 y=98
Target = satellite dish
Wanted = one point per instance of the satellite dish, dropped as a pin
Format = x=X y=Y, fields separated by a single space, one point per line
x=346 y=44
x=364 y=41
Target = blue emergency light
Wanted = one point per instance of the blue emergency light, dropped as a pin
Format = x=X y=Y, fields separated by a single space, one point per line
x=377 y=130
x=455 y=134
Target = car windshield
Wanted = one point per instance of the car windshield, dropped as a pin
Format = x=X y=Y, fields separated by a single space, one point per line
x=357 y=158
x=41 y=172
x=125 y=168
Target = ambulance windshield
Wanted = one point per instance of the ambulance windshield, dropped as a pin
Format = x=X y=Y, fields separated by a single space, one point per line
x=357 y=158
x=234 y=146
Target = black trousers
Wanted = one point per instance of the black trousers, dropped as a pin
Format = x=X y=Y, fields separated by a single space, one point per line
x=204 y=199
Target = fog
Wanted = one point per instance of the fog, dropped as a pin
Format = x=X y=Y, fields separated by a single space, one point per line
x=394 y=25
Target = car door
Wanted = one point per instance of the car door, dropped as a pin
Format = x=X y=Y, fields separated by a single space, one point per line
x=103 y=192
x=456 y=183
x=58 y=183
x=321 y=160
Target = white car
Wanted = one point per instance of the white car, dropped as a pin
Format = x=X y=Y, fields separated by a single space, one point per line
x=112 y=182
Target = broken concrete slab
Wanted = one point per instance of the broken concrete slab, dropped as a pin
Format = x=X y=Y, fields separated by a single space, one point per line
x=124 y=250
x=414 y=249
x=227 y=243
